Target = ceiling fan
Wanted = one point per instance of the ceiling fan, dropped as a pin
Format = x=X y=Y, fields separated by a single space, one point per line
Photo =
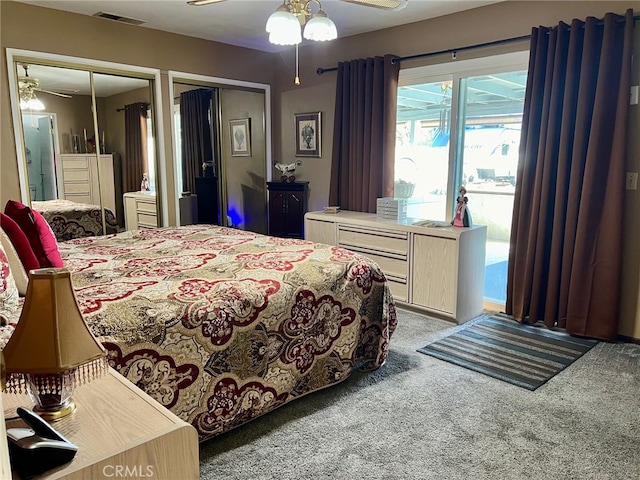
x=27 y=86
x=284 y=25
x=384 y=4
x=295 y=19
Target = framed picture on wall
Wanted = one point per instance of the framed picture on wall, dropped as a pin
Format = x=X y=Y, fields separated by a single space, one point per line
x=240 y=137
x=308 y=139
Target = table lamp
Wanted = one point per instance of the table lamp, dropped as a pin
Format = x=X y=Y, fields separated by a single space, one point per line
x=52 y=350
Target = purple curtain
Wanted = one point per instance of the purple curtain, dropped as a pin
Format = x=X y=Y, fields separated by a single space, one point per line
x=136 y=156
x=566 y=236
x=364 y=134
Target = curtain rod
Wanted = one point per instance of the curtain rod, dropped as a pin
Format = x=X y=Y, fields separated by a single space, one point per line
x=123 y=108
x=453 y=51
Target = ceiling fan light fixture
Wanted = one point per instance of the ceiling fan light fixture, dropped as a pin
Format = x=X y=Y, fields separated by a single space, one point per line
x=286 y=24
x=283 y=27
x=320 y=28
x=281 y=19
x=33 y=103
x=26 y=86
x=282 y=37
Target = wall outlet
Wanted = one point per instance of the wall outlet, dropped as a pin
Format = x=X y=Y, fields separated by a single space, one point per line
x=634 y=95
x=632 y=180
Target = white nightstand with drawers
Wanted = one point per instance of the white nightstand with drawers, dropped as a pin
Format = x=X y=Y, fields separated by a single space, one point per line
x=140 y=210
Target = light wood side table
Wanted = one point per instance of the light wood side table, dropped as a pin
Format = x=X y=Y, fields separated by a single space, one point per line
x=121 y=432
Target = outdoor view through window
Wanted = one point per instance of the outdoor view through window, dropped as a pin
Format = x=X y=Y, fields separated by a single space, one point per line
x=463 y=131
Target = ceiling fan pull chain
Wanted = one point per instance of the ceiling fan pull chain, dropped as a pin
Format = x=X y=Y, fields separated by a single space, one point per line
x=297 y=80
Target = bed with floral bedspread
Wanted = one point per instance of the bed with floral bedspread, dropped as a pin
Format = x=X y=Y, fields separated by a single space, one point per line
x=222 y=325
x=70 y=220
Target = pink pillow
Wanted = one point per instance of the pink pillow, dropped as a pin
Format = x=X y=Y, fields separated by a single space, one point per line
x=20 y=242
x=41 y=237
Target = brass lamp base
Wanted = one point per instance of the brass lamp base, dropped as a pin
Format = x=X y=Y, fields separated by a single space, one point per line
x=53 y=415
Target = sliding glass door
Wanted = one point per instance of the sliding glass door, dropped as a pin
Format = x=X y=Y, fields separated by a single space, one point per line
x=461 y=128
x=490 y=122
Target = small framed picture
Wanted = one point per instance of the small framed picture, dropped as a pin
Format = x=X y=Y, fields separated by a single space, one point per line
x=240 y=131
x=308 y=139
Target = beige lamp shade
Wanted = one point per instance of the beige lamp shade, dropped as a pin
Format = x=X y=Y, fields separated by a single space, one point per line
x=52 y=341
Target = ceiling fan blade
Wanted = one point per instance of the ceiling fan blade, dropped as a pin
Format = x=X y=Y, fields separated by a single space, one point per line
x=63 y=95
x=384 y=4
x=199 y=3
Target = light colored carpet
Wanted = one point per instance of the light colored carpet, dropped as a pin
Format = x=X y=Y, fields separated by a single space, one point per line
x=418 y=417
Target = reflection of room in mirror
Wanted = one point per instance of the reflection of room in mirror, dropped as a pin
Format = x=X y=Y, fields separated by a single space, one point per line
x=39 y=140
x=63 y=139
x=233 y=191
x=197 y=153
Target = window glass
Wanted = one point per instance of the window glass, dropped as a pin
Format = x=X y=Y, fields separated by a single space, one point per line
x=490 y=123
x=422 y=148
x=459 y=125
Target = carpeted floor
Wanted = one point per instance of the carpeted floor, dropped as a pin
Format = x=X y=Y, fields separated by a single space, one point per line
x=418 y=417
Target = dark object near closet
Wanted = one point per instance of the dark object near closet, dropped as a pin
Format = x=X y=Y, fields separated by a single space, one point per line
x=287 y=206
x=208 y=208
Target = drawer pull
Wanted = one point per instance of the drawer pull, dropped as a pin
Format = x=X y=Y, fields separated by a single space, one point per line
x=371 y=251
x=377 y=233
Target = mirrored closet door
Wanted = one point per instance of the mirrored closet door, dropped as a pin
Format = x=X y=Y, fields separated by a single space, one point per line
x=217 y=183
x=88 y=137
x=197 y=153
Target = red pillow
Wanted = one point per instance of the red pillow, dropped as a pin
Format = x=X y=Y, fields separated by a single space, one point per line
x=20 y=242
x=41 y=237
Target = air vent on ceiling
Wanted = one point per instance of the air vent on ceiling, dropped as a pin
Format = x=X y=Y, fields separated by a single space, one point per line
x=119 y=18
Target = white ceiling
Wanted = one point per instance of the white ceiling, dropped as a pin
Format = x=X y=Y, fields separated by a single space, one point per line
x=77 y=82
x=242 y=22
x=236 y=22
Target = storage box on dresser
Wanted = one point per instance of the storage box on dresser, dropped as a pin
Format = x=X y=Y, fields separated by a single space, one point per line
x=439 y=270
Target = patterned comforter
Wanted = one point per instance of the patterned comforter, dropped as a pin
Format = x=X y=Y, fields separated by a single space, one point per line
x=70 y=220
x=221 y=325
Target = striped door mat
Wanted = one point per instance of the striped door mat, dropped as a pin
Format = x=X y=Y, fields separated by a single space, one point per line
x=498 y=346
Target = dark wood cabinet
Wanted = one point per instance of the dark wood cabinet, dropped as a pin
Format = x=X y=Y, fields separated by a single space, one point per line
x=207 y=192
x=287 y=206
